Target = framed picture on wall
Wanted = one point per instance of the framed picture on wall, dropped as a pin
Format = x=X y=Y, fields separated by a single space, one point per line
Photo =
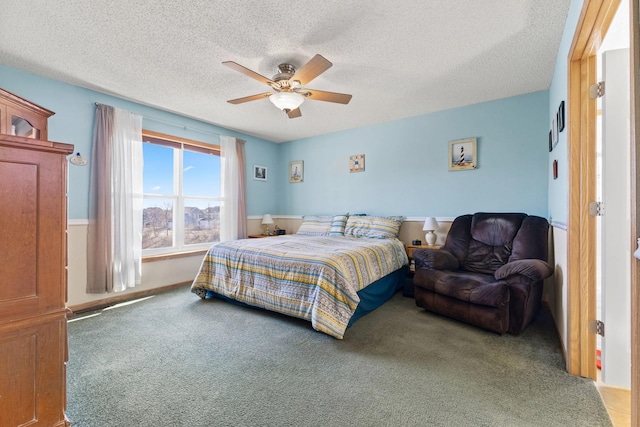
x=554 y=130
x=259 y=173
x=356 y=163
x=463 y=154
x=296 y=171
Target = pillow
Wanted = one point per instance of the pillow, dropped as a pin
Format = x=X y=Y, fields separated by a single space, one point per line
x=338 y=224
x=381 y=227
x=315 y=225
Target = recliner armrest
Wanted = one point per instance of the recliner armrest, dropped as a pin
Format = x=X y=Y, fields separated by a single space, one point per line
x=436 y=259
x=534 y=269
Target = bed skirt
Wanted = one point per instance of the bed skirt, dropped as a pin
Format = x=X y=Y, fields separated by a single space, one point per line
x=371 y=297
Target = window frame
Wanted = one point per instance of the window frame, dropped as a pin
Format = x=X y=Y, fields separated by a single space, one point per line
x=178 y=197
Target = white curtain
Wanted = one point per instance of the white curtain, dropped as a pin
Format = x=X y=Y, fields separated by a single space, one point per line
x=233 y=223
x=115 y=232
x=126 y=190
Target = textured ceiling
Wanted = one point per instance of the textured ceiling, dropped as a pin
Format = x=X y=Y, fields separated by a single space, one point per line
x=398 y=58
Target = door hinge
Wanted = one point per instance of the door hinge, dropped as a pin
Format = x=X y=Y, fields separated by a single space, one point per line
x=596 y=90
x=596 y=327
x=596 y=208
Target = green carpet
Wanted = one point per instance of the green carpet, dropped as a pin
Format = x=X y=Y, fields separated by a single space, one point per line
x=175 y=360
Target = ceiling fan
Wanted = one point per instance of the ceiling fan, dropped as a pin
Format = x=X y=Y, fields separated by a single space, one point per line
x=288 y=92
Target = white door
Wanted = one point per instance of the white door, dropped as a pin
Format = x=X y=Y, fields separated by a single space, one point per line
x=616 y=223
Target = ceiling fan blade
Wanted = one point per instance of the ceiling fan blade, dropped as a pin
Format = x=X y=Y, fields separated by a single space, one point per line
x=320 y=95
x=312 y=69
x=250 y=98
x=294 y=113
x=248 y=72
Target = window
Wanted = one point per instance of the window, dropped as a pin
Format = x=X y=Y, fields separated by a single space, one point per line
x=181 y=186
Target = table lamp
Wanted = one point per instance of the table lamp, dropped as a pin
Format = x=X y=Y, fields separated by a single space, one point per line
x=430 y=225
x=266 y=220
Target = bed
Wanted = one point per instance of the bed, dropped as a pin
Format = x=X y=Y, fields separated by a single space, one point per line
x=328 y=278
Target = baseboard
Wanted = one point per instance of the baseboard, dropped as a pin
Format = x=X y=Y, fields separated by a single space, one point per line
x=106 y=302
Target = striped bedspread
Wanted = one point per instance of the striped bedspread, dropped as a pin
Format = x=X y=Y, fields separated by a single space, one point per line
x=314 y=278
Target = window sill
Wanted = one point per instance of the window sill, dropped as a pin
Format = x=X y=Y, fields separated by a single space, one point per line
x=164 y=257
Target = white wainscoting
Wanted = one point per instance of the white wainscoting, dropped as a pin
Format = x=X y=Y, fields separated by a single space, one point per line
x=155 y=275
x=555 y=291
x=158 y=274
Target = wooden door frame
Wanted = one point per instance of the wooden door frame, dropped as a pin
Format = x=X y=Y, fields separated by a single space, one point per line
x=593 y=23
x=634 y=65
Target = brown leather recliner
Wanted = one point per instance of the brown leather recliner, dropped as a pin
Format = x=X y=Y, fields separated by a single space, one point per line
x=489 y=272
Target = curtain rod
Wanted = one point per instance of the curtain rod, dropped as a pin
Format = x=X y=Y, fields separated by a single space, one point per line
x=170 y=122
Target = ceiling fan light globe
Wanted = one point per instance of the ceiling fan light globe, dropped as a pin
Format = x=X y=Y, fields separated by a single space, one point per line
x=286 y=100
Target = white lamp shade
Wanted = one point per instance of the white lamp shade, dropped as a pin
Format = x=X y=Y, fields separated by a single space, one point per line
x=266 y=219
x=430 y=224
x=286 y=100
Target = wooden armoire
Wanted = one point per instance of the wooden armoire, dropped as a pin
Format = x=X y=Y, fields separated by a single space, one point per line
x=33 y=274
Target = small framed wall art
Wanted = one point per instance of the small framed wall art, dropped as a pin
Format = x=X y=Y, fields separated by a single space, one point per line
x=463 y=154
x=296 y=171
x=557 y=126
x=259 y=173
x=356 y=163
x=554 y=130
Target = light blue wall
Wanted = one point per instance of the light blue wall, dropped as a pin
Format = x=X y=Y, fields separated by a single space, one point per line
x=558 y=91
x=72 y=123
x=406 y=164
x=406 y=170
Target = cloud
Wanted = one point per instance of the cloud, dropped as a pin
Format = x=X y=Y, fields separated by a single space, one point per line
x=157 y=187
x=189 y=168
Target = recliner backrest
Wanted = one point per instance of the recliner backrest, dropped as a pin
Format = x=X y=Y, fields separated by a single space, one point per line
x=484 y=242
x=532 y=241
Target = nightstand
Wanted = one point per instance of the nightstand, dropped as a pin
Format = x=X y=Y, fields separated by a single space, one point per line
x=407 y=291
x=257 y=236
